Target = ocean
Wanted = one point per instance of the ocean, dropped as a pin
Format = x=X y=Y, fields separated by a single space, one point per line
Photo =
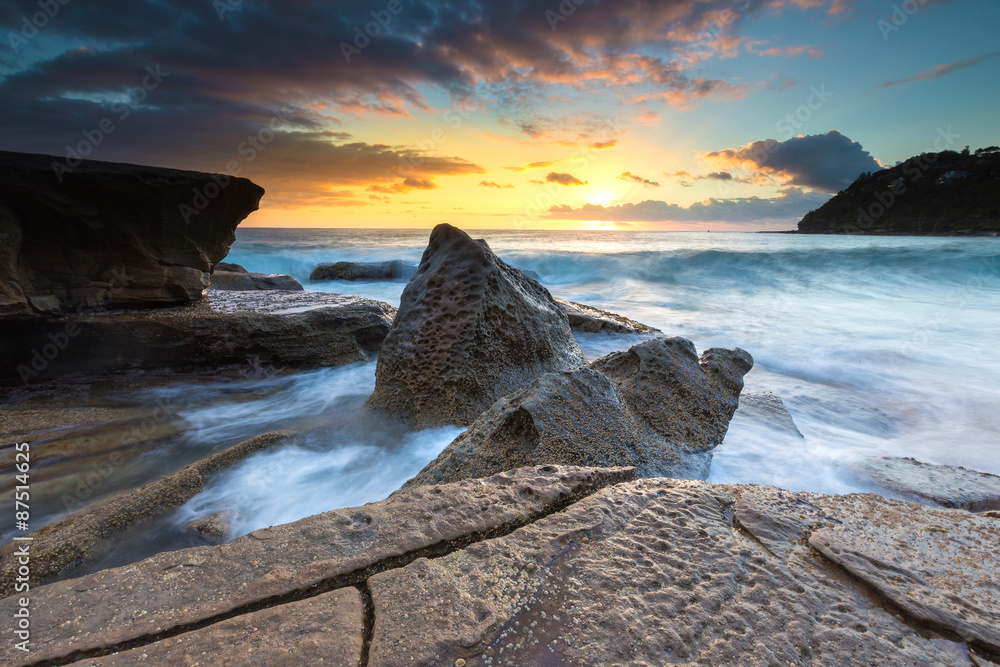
x=876 y=346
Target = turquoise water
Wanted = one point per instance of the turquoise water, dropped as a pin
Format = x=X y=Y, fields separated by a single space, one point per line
x=877 y=345
x=880 y=346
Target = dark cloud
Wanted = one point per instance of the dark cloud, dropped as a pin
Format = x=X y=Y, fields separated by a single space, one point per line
x=942 y=70
x=827 y=162
x=790 y=204
x=629 y=176
x=494 y=184
x=564 y=179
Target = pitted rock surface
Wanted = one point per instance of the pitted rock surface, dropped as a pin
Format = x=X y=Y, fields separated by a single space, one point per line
x=686 y=399
x=470 y=329
x=655 y=572
x=341 y=548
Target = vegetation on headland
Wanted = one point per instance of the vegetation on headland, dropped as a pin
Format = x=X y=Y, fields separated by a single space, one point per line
x=933 y=193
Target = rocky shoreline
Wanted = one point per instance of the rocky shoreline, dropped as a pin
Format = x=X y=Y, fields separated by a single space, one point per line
x=569 y=524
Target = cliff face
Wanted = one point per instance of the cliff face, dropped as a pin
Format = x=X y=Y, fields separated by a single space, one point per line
x=108 y=234
x=932 y=193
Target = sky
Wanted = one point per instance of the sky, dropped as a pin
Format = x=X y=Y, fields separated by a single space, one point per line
x=534 y=114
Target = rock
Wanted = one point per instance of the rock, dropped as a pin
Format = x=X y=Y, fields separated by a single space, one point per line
x=676 y=412
x=326 y=629
x=685 y=399
x=948 y=486
x=80 y=538
x=230 y=267
x=107 y=234
x=661 y=571
x=553 y=565
x=587 y=319
x=236 y=281
x=217 y=524
x=223 y=330
x=568 y=418
x=763 y=406
x=391 y=270
x=174 y=591
x=469 y=330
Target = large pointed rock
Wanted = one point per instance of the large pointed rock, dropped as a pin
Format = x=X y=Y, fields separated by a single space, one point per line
x=469 y=330
x=656 y=407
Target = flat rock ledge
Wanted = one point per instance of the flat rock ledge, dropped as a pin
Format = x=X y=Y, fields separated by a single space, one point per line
x=80 y=538
x=948 y=486
x=226 y=328
x=587 y=319
x=552 y=565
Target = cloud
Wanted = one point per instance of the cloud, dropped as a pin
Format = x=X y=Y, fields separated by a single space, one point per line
x=942 y=70
x=492 y=184
x=403 y=187
x=564 y=179
x=791 y=51
x=790 y=204
x=629 y=176
x=826 y=162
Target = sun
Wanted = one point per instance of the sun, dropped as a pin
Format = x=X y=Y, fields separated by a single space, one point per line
x=600 y=197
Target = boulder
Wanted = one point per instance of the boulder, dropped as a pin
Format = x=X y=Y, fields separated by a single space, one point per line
x=583 y=418
x=241 y=281
x=587 y=319
x=242 y=329
x=469 y=330
x=230 y=267
x=552 y=565
x=106 y=234
x=391 y=270
x=68 y=543
x=948 y=486
x=685 y=399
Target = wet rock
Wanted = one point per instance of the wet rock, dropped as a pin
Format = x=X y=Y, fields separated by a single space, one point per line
x=173 y=590
x=107 y=234
x=80 y=538
x=587 y=319
x=230 y=267
x=470 y=329
x=663 y=414
x=225 y=329
x=948 y=486
x=218 y=525
x=236 y=281
x=686 y=399
x=324 y=630
x=391 y=270
x=765 y=407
